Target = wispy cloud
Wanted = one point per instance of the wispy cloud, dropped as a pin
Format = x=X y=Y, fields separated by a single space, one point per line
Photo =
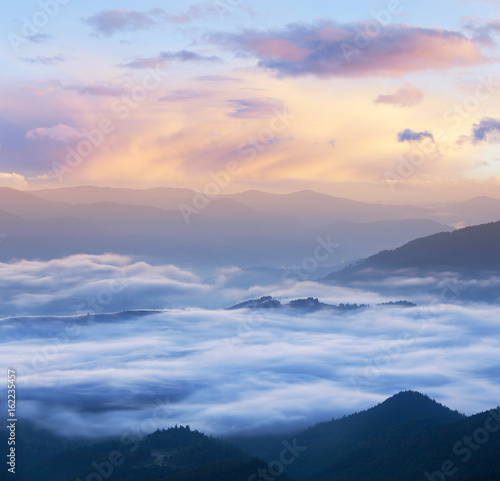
x=183 y=94
x=59 y=132
x=217 y=79
x=327 y=49
x=110 y=21
x=166 y=57
x=483 y=30
x=195 y=12
x=39 y=38
x=256 y=108
x=45 y=60
x=99 y=90
x=406 y=96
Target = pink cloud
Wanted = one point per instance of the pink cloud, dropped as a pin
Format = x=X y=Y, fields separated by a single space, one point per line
x=280 y=48
x=108 y=22
x=326 y=49
x=406 y=96
x=256 y=108
x=59 y=132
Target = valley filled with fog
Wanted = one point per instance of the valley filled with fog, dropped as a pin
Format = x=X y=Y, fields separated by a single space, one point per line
x=179 y=357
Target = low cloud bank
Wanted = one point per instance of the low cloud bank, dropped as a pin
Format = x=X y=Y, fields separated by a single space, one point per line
x=225 y=371
x=231 y=371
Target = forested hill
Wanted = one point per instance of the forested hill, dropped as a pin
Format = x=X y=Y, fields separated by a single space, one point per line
x=472 y=249
x=404 y=437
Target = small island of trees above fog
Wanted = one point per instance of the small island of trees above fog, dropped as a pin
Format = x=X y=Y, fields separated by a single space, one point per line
x=310 y=304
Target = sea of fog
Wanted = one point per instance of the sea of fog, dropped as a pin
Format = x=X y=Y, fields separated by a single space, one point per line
x=187 y=360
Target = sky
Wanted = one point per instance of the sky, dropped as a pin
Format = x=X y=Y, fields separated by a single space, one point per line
x=220 y=371
x=392 y=100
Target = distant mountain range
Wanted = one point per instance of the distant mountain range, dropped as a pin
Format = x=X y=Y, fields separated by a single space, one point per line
x=310 y=207
x=246 y=230
x=408 y=436
x=249 y=229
